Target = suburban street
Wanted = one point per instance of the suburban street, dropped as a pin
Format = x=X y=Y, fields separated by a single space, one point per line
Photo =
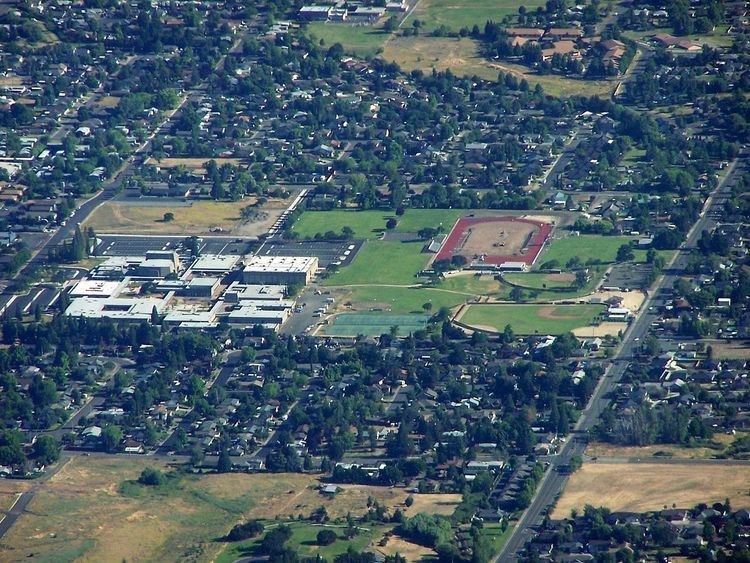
x=554 y=480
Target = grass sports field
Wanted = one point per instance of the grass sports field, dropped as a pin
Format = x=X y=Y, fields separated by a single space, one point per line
x=383 y=263
x=531 y=319
x=370 y=224
x=374 y=324
x=363 y=41
x=400 y=300
x=455 y=14
x=640 y=487
x=597 y=248
x=541 y=281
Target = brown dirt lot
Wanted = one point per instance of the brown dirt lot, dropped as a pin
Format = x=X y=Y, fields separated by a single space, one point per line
x=644 y=486
x=500 y=238
x=408 y=550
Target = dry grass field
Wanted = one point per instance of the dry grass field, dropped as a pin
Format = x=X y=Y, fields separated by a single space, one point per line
x=109 y=101
x=461 y=56
x=194 y=218
x=719 y=443
x=729 y=349
x=649 y=486
x=193 y=164
x=408 y=550
x=91 y=511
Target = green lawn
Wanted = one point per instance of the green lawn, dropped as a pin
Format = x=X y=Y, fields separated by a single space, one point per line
x=496 y=535
x=718 y=38
x=383 y=263
x=597 y=248
x=363 y=41
x=471 y=284
x=370 y=224
x=303 y=542
x=535 y=280
x=456 y=14
x=532 y=319
x=403 y=300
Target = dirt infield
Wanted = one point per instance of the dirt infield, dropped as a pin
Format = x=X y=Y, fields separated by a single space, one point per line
x=495 y=240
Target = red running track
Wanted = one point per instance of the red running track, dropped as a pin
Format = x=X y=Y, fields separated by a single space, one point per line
x=533 y=247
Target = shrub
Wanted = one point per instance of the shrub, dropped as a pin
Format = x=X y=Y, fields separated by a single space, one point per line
x=245 y=531
x=151 y=477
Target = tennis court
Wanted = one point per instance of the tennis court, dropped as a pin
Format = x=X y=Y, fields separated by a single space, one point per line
x=374 y=324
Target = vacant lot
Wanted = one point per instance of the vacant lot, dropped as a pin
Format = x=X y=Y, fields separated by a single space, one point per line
x=712 y=448
x=729 y=349
x=194 y=164
x=530 y=319
x=92 y=511
x=199 y=217
x=642 y=486
x=589 y=248
x=464 y=58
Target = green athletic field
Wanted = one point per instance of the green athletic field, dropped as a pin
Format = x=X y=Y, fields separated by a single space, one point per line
x=531 y=319
x=370 y=224
x=375 y=324
x=383 y=263
x=597 y=248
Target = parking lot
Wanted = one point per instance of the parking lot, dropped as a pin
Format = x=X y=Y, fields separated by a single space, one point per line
x=111 y=245
x=326 y=252
x=628 y=276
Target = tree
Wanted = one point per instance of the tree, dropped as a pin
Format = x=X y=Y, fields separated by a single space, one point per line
x=326 y=537
x=46 y=450
x=391 y=223
x=111 y=438
x=224 y=465
x=274 y=540
x=168 y=217
x=196 y=456
x=625 y=253
x=151 y=477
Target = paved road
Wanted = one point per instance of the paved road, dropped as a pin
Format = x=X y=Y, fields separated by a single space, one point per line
x=555 y=478
x=19 y=507
x=566 y=156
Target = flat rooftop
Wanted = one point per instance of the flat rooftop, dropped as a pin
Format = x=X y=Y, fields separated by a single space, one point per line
x=215 y=263
x=281 y=264
x=96 y=288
